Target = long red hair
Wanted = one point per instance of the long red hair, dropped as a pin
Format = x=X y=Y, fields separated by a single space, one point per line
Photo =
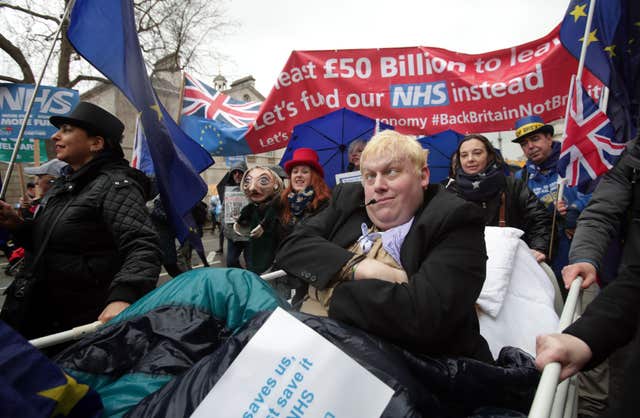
x=321 y=193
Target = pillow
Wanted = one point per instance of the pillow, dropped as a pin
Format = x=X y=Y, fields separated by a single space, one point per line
x=502 y=244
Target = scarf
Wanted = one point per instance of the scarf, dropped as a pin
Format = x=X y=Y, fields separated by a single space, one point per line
x=392 y=239
x=298 y=201
x=481 y=186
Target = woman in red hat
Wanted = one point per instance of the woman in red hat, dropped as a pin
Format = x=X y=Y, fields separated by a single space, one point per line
x=306 y=195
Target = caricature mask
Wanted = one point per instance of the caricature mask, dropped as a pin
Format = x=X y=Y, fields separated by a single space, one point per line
x=259 y=184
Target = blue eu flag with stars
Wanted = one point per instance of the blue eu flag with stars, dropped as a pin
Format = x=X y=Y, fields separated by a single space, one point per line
x=33 y=386
x=613 y=54
x=104 y=33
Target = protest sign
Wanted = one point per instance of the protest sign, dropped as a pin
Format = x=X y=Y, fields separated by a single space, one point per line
x=289 y=370
x=421 y=90
x=14 y=100
x=234 y=201
x=350 y=177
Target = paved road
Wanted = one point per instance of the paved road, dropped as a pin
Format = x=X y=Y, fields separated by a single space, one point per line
x=209 y=240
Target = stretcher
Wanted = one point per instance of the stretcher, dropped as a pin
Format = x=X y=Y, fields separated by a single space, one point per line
x=552 y=400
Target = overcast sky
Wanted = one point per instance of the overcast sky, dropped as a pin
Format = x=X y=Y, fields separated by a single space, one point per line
x=269 y=30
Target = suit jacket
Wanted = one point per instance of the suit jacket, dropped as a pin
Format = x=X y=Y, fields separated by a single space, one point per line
x=443 y=254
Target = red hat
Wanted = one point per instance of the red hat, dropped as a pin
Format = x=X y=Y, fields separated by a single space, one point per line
x=305 y=156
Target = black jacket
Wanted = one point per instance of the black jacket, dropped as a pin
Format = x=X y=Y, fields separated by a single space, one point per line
x=523 y=210
x=102 y=249
x=608 y=211
x=434 y=313
x=612 y=319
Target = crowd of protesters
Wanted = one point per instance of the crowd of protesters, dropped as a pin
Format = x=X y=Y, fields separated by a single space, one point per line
x=394 y=255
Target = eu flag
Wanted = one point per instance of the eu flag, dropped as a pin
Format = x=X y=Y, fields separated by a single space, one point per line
x=613 y=54
x=104 y=33
x=219 y=122
x=32 y=386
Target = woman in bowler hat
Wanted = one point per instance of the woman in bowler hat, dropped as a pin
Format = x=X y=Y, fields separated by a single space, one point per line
x=98 y=250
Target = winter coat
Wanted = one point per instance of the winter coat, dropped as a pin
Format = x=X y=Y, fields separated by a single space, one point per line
x=611 y=320
x=434 y=313
x=608 y=210
x=102 y=249
x=543 y=182
x=523 y=210
x=262 y=250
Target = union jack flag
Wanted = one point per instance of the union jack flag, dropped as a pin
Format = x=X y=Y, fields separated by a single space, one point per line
x=204 y=101
x=587 y=147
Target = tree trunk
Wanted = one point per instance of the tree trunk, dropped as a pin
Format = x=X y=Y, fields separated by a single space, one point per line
x=65 y=56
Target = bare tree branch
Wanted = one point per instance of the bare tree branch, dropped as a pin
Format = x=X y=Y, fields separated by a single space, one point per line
x=12 y=80
x=16 y=54
x=80 y=78
x=183 y=29
x=30 y=12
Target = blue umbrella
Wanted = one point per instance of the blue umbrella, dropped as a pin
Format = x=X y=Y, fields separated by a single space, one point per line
x=330 y=136
x=441 y=147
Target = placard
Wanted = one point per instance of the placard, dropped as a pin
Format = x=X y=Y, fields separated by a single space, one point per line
x=287 y=370
x=234 y=201
x=49 y=101
x=350 y=177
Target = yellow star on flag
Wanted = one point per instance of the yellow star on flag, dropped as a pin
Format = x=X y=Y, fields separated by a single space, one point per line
x=578 y=12
x=156 y=108
x=611 y=49
x=66 y=396
x=592 y=37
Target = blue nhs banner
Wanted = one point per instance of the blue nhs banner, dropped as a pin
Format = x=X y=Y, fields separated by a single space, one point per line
x=419 y=94
x=14 y=100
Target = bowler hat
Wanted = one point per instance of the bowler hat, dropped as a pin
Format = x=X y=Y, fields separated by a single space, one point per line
x=305 y=156
x=92 y=118
x=530 y=125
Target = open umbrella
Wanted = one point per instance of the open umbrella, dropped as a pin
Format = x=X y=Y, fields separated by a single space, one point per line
x=330 y=136
x=441 y=147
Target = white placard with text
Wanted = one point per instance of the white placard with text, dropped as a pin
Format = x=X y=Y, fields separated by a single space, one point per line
x=287 y=370
x=350 y=177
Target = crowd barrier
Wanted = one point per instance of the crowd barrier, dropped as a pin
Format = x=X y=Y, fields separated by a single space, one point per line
x=553 y=400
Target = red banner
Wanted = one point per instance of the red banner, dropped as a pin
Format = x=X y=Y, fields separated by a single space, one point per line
x=421 y=90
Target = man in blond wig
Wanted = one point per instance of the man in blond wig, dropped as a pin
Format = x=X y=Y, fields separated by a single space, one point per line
x=394 y=255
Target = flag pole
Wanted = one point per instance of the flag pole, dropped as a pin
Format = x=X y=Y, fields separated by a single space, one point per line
x=16 y=149
x=585 y=40
x=574 y=82
x=181 y=99
x=560 y=182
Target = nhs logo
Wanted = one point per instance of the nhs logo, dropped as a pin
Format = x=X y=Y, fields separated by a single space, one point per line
x=419 y=94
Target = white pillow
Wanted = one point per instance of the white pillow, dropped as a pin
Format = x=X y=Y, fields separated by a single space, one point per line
x=502 y=244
